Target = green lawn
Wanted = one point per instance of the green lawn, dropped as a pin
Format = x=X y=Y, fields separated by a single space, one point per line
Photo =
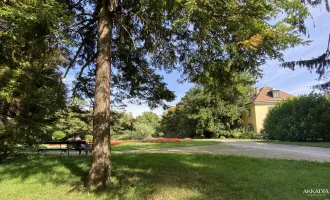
x=145 y=145
x=164 y=176
x=140 y=145
x=310 y=144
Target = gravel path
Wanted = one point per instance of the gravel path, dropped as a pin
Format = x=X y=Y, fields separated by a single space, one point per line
x=244 y=148
x=252 y=149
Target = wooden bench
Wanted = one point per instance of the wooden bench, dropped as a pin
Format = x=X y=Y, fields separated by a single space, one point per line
x=70 y=145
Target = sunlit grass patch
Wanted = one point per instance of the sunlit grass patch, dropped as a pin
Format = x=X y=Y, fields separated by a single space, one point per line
x=148 y=145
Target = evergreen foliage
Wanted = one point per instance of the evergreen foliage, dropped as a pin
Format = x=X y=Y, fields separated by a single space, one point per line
x=33 y=44
x=321 y=63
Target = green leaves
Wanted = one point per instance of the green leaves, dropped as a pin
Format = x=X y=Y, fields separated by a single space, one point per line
x=301 y=118
x=203 y=113
x=221 y=39
x=32 y=47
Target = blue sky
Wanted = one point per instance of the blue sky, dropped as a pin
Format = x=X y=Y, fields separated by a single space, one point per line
x=293 y=82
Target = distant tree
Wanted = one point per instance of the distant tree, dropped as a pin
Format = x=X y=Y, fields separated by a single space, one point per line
x=120 y=123
x=302 y=118
x=203 y=113
x=141 y=131
x=151 y=119
x=170 y=122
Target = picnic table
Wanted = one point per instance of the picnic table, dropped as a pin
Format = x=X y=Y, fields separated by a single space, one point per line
x=65 y=146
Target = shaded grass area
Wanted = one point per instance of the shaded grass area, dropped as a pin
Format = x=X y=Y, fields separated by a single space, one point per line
x=146 y=145
x=164 y=176
x=309 y=144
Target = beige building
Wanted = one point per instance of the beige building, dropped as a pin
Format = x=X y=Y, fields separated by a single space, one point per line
x=264 y=100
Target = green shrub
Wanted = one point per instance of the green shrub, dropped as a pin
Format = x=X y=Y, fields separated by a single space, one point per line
x=224 y=133
x=57 y=135
x=303 y=118
x=215 y=135
x=222 y=137
x=246 y=134
x=236 y=134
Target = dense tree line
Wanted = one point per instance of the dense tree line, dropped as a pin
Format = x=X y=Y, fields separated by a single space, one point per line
x=302 y=118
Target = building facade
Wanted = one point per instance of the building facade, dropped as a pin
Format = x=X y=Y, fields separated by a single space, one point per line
x=264 y=99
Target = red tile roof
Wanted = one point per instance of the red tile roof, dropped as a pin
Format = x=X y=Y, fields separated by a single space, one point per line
x=265 y=95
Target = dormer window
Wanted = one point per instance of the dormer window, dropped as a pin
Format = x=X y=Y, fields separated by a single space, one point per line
x=275 y=93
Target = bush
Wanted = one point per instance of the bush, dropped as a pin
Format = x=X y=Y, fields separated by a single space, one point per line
x=222 y=137
x=224 y=133
x=236 y=134
x=303 y=118
x=58 y=135
x=246 y=134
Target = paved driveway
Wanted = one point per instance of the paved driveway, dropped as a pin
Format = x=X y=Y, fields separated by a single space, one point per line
x=253 y=149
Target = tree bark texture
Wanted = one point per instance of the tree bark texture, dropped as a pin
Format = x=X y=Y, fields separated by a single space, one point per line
x=99 y=174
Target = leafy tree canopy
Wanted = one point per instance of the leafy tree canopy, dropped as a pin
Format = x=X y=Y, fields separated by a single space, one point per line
x=209 y=114
x=207 y=41
x=149 y=118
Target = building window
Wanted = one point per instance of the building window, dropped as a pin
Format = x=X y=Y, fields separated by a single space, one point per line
x=276 y=94
x=249 y=112
x=250 y=127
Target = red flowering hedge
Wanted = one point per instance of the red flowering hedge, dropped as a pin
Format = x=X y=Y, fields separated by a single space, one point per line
x=115 y=142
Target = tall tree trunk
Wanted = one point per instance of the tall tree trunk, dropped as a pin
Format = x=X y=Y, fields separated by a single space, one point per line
x=99 y=174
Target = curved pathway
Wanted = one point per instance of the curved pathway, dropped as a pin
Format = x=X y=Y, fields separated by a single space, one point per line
x=252 y=149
